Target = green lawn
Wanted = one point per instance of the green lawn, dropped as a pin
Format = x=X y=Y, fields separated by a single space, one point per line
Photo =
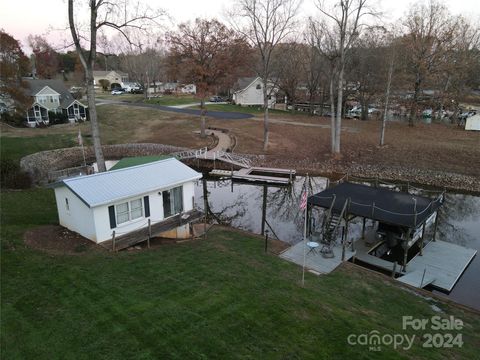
x=169 y=100
x=17 y=147
x=220 y=298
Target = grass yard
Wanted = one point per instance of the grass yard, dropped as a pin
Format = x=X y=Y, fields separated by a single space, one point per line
x=219 y=298
x=17 y=147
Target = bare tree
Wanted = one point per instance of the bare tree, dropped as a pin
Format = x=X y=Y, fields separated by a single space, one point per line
x=121 y=16
x=429 y=37
x=344 y=22
x=265 y=23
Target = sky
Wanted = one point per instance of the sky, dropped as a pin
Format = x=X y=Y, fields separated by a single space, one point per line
x=49 y=17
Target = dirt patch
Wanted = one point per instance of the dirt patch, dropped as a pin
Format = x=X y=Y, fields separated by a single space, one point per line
x=57 y=240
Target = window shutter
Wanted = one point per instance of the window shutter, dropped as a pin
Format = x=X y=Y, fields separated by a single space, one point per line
x=111 y=213
x=146 y=202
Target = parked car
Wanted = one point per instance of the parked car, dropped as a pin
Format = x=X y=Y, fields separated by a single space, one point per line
x=136 y=91
x=216 y=98
x=117 y=91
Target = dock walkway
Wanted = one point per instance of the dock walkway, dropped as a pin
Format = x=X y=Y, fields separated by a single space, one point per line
x=314 y=260
x=443 y=261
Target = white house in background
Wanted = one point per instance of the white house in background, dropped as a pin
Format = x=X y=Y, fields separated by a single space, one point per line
x=473 y=122
x=124 y=200
x=249 y=91
x=52 y=96
x=117 y=79
x=189 y=89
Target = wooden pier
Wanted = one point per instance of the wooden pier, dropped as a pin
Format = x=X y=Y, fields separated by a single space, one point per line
x=259 y=174
x=443 y=263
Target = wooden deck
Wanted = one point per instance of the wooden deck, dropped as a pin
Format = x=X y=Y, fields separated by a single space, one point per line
x=259 y=174
x=135 y=237
x=443 y=261
x=314 y=260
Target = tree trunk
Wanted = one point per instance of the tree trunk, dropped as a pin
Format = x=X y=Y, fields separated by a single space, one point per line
x=88 y=66
x=203 y=112
x=332 y=116
x=265 y=116
x=97 y=145
x=413 y=108
x=387 y=98
x=338 y=120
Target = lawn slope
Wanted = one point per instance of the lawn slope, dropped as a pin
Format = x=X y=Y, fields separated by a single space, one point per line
x=219 y=298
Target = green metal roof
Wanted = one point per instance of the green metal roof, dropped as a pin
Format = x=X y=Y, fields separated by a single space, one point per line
x=139 y=160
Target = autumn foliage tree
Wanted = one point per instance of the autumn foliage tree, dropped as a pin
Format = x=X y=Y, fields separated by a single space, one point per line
x=47 y=60
x=13 y=65
x=206 y=51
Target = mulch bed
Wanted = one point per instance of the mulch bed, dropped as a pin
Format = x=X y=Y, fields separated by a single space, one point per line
x=57 y=240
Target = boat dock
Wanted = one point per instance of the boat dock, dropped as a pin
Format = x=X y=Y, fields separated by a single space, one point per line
x=314 y=260
x=441 y=265
x=258 y=174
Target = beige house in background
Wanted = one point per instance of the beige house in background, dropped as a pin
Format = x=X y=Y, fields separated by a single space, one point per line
x=115 y=78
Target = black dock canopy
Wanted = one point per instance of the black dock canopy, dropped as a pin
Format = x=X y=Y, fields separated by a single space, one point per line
x=381 y=204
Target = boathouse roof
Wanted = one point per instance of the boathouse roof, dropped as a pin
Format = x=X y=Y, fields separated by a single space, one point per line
x=377 y=203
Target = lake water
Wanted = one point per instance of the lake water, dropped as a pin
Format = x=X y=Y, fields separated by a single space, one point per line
x=240 y=205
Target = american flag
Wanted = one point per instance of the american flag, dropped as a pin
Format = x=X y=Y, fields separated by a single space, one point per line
x=303 y=200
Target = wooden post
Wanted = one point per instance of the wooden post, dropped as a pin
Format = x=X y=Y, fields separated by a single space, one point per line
x=363 y=228
x=408 y=186
x=343 y=244
x=394 y=270
x=264 y=208
x=266 y=241
x=373 y=209
x=205 y=206
x=421 y=241
x=415 y=212
x=423 y=277
x=436 y=224
x=328 y=183
x=113 y=240
x=149 y=232
x=405 y=250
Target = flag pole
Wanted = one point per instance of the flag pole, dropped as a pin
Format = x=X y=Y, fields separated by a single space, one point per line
x=80 y=142
x=305 y=233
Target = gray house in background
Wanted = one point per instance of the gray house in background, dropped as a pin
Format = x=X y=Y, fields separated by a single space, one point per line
x=52 y=96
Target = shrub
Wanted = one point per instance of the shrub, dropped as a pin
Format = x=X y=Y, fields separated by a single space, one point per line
x=14 y=119
x=12 y=177
x=57 y=118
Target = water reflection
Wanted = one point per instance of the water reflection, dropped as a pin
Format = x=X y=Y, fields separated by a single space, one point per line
x=244 y=205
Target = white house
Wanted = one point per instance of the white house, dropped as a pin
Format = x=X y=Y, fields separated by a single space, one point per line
x=473 y=122
x=249 y=91
x=52 y=96
x=115 y=78
x=124 y=200
x=189 y=89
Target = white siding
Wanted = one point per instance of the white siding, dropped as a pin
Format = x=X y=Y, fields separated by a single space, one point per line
x=79 y=218
x=252 y=96
x=102 y=218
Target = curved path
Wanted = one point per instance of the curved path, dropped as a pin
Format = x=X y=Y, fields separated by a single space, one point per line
x=225 y=115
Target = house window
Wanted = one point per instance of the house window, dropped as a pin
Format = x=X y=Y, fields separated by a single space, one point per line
x=67 y=205
x=129 y=210
x=50 y=98
x=259 y=86
x=172 y=201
